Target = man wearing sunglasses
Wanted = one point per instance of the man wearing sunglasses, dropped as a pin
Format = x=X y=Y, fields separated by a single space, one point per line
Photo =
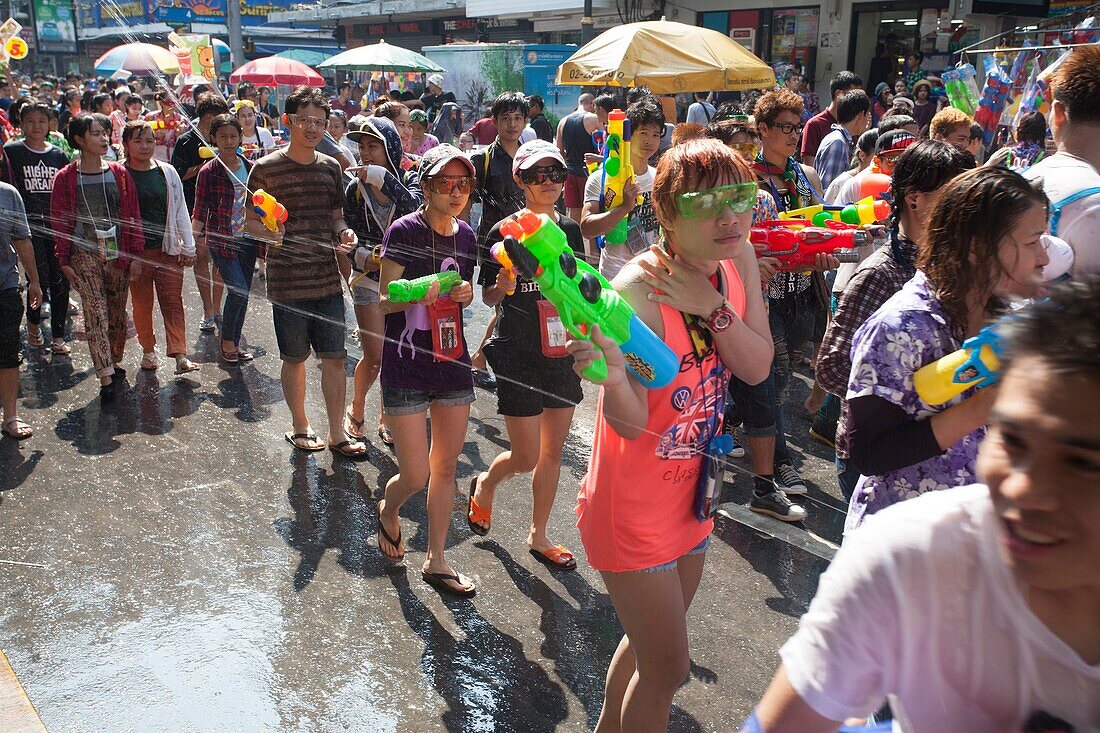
x=303 y=278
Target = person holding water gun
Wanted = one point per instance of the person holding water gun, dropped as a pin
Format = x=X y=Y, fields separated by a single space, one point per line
x=537 y=389
x=425 y=362
x=222 y=200
x=981 y=246
x=599 y=216
x=655 y=449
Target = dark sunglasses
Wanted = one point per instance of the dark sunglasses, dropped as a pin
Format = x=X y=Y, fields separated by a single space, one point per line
x=539 y=175
x=446 y=184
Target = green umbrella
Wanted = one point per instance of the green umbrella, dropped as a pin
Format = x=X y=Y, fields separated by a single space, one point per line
x=305 y=56
x=381 y=56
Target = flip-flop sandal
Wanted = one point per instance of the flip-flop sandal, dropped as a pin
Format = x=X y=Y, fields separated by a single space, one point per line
x=186 y=366
x=382 y=534
x=556 y=558
x=18 y=433
x=150 y=365
x=245 y=356
x=357 y=424
x=36 y=342
x=61 y=349
x=294 y=438
x=476 y=516
x=341 y=449
x=439 y=582
x=385 y=436
x=231 y=357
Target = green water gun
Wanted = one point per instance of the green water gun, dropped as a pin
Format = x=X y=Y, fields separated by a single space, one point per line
x=539 y=250
x=410 y=291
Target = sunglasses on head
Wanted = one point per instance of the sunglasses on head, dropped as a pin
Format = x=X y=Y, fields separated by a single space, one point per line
x=538 y=175
x=446 y=184
x=746 y=150
x=708 y=204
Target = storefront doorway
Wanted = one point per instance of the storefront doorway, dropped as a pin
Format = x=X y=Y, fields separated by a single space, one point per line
x=901 y=27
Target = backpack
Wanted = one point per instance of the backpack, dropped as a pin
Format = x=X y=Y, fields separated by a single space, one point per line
x=1057 y=206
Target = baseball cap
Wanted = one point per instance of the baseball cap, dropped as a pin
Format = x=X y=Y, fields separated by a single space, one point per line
x=532 y=152
x=436 y=159
x=903 y=101
x=436 y=79
x=894 y=141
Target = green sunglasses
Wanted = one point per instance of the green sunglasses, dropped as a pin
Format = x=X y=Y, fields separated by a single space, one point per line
x=708 y=204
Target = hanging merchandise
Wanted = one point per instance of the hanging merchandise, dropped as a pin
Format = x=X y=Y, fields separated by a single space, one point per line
x=994 y=97
x=1018 y=74
x=962 y=88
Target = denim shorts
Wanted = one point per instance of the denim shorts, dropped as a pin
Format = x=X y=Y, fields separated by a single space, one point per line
x=364 y=294
x=754 y=404
x=697 y=550
x=304 y=324
x=406 y=401
x=11 y=317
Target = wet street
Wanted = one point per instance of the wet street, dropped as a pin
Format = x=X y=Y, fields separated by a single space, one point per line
x=171 y=564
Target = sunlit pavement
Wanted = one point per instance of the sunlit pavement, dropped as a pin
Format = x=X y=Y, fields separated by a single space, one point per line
x=171 y=564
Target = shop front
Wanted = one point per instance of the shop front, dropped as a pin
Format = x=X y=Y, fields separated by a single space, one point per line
x=785 y=38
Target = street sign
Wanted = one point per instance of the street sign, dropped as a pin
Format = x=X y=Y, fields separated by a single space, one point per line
x=170 y=15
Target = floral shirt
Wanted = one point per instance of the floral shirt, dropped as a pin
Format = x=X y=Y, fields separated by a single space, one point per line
x=907 y=332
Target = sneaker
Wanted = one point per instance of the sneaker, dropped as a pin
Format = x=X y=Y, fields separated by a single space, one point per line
x=788 y=481
x=208 y=325
x=775 y=504
x=737 y=451
x=822 y=433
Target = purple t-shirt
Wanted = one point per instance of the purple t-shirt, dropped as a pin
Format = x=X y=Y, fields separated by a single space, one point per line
x=407 y=356
x=907 y=332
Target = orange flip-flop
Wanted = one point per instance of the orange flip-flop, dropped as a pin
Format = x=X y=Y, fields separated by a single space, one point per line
x=476 y=516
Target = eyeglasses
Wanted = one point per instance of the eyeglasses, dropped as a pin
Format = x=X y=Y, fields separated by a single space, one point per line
x=787 y=127
x=542 y=174
x=748 y=151
x=446 y=184
x=708 y=204
x=887 y=161
x=306 y=121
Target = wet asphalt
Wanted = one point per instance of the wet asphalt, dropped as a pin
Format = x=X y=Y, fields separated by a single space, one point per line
x=171 y=564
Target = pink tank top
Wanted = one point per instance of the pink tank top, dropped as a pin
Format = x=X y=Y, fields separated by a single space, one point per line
x=636 y=504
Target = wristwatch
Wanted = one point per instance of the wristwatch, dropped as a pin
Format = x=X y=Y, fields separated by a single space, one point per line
x=721 y=319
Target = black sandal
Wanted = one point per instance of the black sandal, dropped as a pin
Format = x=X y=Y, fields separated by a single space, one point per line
x=439 y=582
x=294 y=438
x=382 y=534
x=341 y=449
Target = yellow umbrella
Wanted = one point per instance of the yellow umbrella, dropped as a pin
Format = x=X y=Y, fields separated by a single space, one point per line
x=668 y=58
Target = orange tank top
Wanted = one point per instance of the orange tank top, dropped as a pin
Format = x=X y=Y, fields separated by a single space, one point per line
x=636 y=504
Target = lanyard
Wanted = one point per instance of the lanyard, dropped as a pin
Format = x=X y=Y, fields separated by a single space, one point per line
x=103 y=182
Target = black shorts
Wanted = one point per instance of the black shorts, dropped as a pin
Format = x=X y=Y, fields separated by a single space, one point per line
x=11 y=317
x=529 y=383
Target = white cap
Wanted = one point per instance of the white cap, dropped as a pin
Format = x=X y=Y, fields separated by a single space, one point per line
x=436 y=79
x=532 y=152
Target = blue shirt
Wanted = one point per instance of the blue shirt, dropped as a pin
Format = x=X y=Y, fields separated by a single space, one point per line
x=834 y=156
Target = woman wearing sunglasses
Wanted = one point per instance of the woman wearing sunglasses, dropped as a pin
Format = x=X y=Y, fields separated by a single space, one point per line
x=636 y=509
x=981 y=248
x=425 y=362
x=537 y=389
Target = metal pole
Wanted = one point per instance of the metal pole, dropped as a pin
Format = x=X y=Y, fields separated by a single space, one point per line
x=236 y=40
x=588 y=25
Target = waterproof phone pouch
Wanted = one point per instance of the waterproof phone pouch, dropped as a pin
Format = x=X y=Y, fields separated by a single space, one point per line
x=712 y=476
x=107 y=241
x=552 y=331
x=445 y=318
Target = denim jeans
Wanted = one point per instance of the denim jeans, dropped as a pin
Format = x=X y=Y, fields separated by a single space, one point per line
x=236 y=273
x=54 y=284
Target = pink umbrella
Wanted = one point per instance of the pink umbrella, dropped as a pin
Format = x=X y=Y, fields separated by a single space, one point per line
x=273 y=70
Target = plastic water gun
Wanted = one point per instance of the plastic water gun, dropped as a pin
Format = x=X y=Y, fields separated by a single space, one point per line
x=538 y=248
x=271 y=212
x=861 y=213
x=875 y=184
x=206 y=152
x=597 y=140
x=976 y=364
x=617 y=171
x=501 y=256
x=796 y=244
x=994 y=98
x=962 y=87
x=410 y=291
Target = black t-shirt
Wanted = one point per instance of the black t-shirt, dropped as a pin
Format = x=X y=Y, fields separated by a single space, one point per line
x=32 y=174
x=518 y=327
x=433 y=102
x=496 y=188
x=184 y=156
x=542 y=128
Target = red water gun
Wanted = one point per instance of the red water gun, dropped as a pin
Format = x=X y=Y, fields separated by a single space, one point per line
x=796 y=244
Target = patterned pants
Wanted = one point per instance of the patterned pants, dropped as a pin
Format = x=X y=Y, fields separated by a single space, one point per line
x=163 y=273
x=103 y=288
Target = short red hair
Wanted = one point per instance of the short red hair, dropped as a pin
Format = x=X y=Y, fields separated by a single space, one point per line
x=695 y=165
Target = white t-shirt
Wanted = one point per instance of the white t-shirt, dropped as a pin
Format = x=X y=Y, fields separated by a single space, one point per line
x=642 y=226
x=918 y=604
x=1063 y=175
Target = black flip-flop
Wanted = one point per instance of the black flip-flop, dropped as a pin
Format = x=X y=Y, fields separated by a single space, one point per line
x=340 y=449
x=291 y=438
x=396 y=544
x=439 y=582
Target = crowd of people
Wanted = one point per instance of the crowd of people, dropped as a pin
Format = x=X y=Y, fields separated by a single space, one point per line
x=963 y=607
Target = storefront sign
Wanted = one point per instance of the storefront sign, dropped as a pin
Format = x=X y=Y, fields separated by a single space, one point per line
x=746 y=37
x=408 y=28
x=473 y=24
x=53 y=21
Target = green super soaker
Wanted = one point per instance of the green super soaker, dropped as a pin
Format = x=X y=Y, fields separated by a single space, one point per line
x=410 y=291
x=539 y=251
